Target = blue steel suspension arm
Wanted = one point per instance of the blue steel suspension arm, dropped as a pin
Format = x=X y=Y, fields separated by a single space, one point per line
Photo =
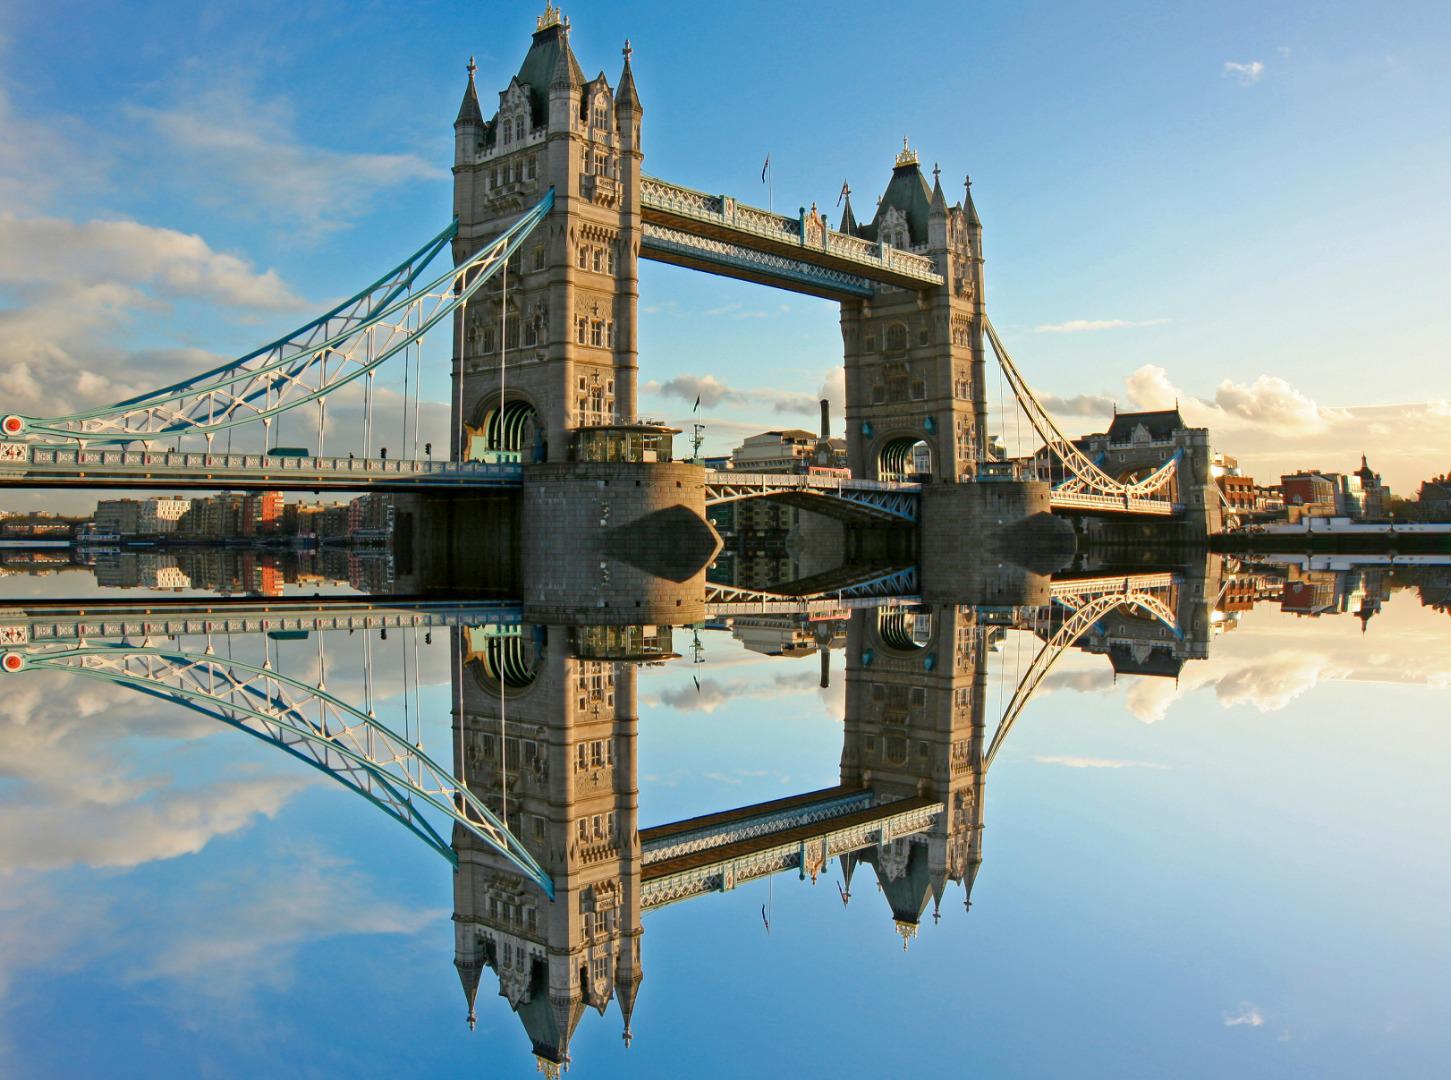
x=191 y=407
x=248 y=701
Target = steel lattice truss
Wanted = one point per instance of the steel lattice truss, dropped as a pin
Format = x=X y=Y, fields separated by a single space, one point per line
x=313 y=725
x=884 y=499
x=1086 y=482
x=328 y=353
x=1086 y=607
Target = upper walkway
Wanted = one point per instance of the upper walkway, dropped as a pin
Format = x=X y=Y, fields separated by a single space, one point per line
x=718 y=234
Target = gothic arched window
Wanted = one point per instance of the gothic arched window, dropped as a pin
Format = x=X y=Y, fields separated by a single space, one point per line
x=896 y=337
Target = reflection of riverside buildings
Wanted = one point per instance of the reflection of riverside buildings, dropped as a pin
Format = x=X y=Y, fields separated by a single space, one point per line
x=229 y=572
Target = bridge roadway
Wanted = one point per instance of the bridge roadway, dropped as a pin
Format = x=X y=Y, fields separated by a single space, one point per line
x=718 y=234
x=34 y=465
x=49 y=465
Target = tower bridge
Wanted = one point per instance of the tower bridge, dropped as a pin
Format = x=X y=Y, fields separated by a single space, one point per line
x=553 y=213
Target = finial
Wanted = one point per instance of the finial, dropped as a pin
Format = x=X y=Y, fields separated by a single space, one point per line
x=472 y=1019
x=628 y=1036
x=627 y=50
x=472 y=67
x=936 y=173
x=908 y=156
x=548 y=19
x=967 y=182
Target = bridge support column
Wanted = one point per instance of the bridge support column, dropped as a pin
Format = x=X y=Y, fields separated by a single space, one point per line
x=991 y=542
x=615 y=542
x=1203 y=511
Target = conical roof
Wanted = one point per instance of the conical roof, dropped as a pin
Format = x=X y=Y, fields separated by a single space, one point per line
x=468 y=110
x=548 y=60
x=908 y=192
x=626 y=96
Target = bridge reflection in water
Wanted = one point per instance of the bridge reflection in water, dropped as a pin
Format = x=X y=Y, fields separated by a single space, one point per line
x=545 y=735
x=554 y=872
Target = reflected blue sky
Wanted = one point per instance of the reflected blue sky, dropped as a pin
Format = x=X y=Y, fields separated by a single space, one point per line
x=1235 y=874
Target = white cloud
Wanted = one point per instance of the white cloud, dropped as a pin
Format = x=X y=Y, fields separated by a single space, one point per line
x=1070 y=762
x=244 y=153
x=1079 y=326
x=244 y=929
x=1245 y=74
x=115 y=255
x=1248 y=1015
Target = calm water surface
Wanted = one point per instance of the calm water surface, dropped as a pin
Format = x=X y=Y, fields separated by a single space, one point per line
x=1183 y=865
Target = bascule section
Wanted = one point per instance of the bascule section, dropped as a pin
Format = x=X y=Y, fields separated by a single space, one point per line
x=548 y=347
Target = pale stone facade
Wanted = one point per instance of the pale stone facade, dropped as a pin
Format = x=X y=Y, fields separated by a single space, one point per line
x=565 y=318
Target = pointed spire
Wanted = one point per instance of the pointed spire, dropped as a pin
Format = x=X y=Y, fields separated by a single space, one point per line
x=468 y=974
x=565 y=75
x=972 y=218
x=939 y=200
x=626 y=96
x=468 y=110
x=848 y=219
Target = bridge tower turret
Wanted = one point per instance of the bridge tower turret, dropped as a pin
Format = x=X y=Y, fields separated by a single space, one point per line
x=915 y=387
x=914 y=726
x=544 y=733
x=562 y=327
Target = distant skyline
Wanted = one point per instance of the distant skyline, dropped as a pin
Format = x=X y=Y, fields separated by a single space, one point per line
x=1241 y=209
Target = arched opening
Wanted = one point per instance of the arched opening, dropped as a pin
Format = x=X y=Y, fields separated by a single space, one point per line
x=904 y=630
x=906 y=458
x=506 y=662
x=512 y=432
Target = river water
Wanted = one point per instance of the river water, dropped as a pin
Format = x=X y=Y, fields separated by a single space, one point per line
x=1211 y=842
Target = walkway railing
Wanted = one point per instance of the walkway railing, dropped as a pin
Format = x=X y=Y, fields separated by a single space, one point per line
x=738 y=221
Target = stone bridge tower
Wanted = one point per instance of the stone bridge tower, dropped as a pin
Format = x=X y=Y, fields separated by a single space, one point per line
x=566 y=322
x=914 y=358
x=546 y=738
x=915 y=693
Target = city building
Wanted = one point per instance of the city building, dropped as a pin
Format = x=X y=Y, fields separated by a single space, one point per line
x=788 y=450
x=117 y=517
x=1435 y=499
x=1374 y=494
x=161 y=515
x=1309 y=494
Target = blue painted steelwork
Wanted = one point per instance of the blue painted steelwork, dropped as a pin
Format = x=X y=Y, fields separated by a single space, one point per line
x=349 y=745
x=294 y=369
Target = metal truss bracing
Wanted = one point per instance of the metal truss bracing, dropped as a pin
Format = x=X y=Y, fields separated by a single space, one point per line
x=313 y=361
x=898 y=585
x=884 y=499
x=804 y=237
x=1087 y=604
x=665 y=244
x=313 y=725
x=734 y=829
x=662 y=884
x=1087 y=487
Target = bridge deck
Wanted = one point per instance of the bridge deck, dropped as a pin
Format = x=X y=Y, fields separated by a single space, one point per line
x=50 y=465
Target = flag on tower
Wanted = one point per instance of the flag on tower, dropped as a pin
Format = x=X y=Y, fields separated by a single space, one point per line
x=845 y=191
x=765 y=168
x=696 y=406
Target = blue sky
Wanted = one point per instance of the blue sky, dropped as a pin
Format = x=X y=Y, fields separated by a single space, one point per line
x=1240 y=206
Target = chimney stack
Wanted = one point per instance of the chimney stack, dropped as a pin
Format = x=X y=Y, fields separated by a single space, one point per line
x=825 y=660
x=825 y=419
